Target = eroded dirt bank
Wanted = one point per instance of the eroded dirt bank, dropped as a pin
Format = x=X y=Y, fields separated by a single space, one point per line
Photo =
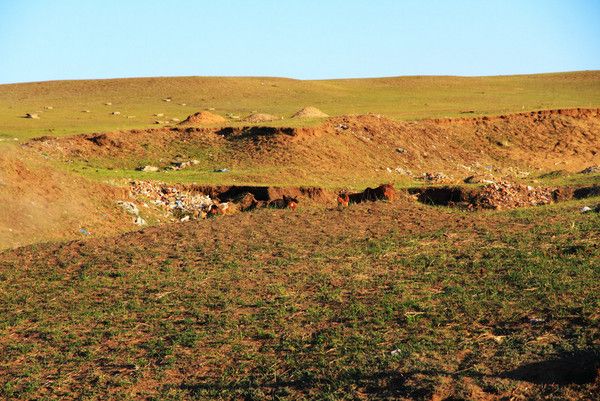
x=514 y=144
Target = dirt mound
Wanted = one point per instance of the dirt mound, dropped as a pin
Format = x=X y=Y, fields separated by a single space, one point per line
x=260 y=118
x=41 y=203
x=203 y=118
x=506 y=195
x=309 y=112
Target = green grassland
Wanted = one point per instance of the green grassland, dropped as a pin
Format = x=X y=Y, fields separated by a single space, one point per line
x=377 y=301
x=403 y=98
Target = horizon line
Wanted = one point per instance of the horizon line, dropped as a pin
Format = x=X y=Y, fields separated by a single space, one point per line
x=298 y=79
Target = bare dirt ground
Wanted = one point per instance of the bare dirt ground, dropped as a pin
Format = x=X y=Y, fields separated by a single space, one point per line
x=41 y=203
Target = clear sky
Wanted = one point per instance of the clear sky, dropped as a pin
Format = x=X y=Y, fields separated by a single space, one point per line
x=76 y=39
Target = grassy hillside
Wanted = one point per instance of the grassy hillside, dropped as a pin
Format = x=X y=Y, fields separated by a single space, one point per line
x=398 y=98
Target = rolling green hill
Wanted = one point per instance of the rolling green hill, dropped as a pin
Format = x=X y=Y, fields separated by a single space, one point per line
x=403 y=98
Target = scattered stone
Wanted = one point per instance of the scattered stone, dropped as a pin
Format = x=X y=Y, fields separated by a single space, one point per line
x=168 y=99
x=211 y=109
x=507 y=195
x=48 y=107
x=159 y=115
x=175 y=120
x=435 y=177
x=176 y=202
x=139 y=221
x=182 y=104
x=400 y=150
x=221 y=170
x=148 y=169
x=403 y=171
x=85 y=111
x=116 y=113
x=34 y=116
x=108 y=103
x=180 y=165
x=129 y=207
x=479 y=179
x=590 y=170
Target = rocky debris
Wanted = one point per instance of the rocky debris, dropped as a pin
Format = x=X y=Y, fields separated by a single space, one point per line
x=85 y=111
x=34 y=116
x=175 y=120
x=221 y=170
x=403 y=171
x=479 y=179
x=309 y=112
x=168 y=99
x=116 y=113
x=587 y=209
x=108 y=103
x=148 y=169
x=232 y=116
x=197 y=202
x=175 y=166
x=506 y=195
x=203 y=117
x=180 y=165
x=590 y=170
x=181 y=204
x=259 y=118
x=159 y=115
x=435 y=177
x=401 y=150
x=133 y=210
x=49 y=107
x=129 y=207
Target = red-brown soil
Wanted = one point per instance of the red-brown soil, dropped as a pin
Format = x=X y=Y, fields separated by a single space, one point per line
x=203 y=118
x=545 y=140
x=41 y=203
x=309 y=112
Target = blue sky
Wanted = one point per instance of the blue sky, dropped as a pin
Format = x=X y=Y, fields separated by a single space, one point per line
x=67 y=39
